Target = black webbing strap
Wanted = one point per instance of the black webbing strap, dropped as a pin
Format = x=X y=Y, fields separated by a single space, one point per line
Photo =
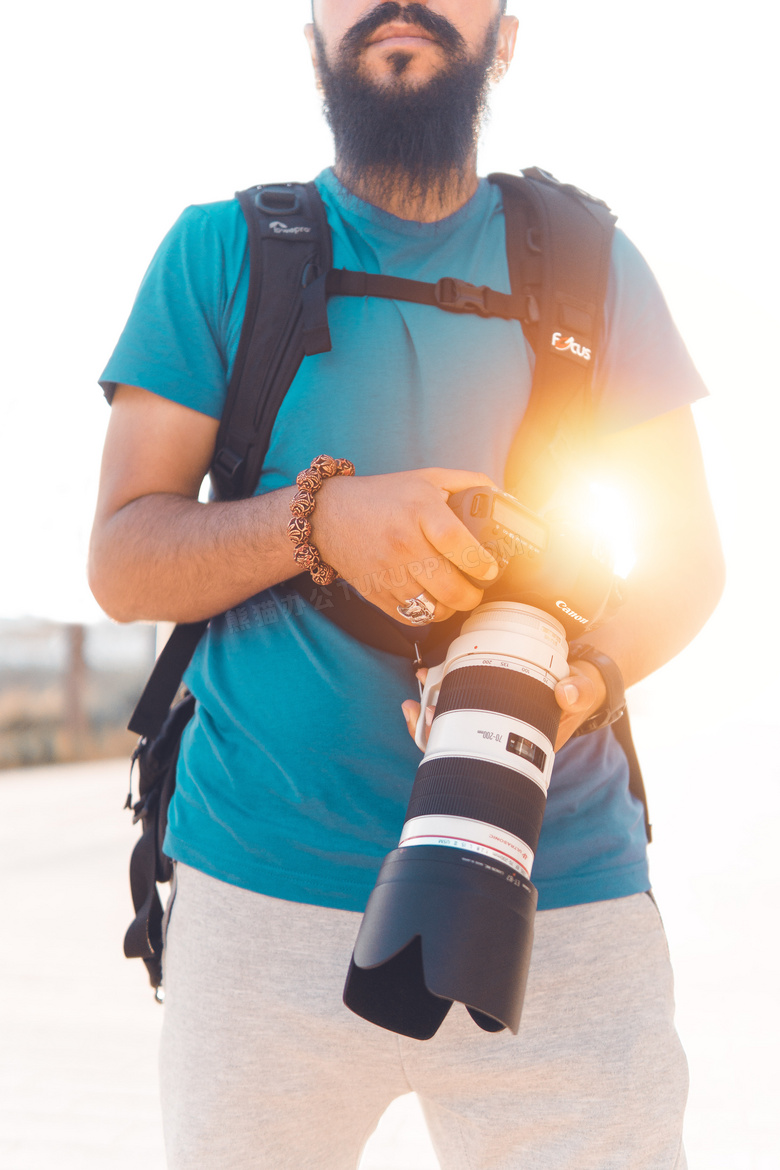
x=456 y=296
x=559 y=243
x=345 y=608
x=350 y=611
x=289 y=250
x=148 y=864
x=143 y=938
x=621 y=729
x=151 y=710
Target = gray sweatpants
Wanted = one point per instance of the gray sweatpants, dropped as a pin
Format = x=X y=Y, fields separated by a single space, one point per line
x=263 y=1067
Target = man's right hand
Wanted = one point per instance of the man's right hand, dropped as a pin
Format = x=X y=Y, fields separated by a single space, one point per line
x=393 y=537
x=158 y=554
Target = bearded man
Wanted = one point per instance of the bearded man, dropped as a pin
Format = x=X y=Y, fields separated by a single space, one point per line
x=296 y=768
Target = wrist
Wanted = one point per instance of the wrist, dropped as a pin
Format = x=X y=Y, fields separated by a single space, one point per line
x=611 y=688
x=302 y=506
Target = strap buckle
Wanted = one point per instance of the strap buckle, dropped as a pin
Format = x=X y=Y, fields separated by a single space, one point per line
x=458 y=296
x=275 y=199
x=227 y=462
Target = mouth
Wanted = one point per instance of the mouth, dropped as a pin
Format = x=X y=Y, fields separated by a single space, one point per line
x=401 y=34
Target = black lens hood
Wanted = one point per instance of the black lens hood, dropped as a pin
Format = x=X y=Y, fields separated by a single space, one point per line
x=442 y=925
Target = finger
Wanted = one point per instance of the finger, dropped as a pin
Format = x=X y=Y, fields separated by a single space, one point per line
x=442 y=613
x=406 y=611
x=419 y=610
x=411 y=712
x=388 y=587
x=575 y=695
x=450 y=480
x=435 y=575
x=441 y=591
x=389 y=603
x=452 y=539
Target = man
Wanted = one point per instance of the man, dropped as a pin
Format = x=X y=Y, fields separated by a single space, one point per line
x=295 y=772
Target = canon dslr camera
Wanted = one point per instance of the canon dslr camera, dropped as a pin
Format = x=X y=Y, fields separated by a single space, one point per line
x=451 y=914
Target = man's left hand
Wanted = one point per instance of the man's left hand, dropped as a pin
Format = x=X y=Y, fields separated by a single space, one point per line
x=578 y=696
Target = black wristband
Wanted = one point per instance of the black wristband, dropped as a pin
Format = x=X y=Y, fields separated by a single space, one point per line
x=615 y=701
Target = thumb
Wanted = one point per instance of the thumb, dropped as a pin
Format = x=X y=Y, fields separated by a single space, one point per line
x=411 y=712
x=575 y=694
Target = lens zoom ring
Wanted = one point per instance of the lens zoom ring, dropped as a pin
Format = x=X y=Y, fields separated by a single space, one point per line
x=481 y=790
x=489 y=688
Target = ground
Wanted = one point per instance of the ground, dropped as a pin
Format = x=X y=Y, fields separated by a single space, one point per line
x=79 y=1023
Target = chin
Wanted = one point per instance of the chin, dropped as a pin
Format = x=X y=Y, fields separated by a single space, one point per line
x=401 y=69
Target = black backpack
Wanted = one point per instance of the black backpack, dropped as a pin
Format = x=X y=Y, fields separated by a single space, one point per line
x=558 y=242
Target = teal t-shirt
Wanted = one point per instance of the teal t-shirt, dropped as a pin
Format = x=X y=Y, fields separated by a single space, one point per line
x=295 y=771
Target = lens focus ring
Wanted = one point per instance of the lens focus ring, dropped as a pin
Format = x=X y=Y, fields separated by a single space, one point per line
x=507 y=692
x=481 y=791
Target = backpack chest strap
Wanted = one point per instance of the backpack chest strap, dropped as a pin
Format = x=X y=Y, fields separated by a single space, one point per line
x=456 y=296
x=449 y=293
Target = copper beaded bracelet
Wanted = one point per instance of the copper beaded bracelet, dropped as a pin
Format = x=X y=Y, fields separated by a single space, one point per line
x=302 y=505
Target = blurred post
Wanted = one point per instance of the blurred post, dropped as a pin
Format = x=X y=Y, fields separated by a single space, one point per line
x=76 y=724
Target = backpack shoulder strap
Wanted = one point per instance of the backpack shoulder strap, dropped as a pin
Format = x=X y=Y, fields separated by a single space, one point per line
x=289 y=250
x=151 y=710
x=621 y=729
x=559 y=242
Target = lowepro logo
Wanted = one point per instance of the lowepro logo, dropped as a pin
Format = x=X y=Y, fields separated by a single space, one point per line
x=577 y=617
x=281 y=229
x=568 y=343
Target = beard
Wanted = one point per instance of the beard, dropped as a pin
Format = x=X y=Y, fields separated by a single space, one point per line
x=397 y=138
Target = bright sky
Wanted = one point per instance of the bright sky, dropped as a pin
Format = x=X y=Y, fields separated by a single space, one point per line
x=122 y=114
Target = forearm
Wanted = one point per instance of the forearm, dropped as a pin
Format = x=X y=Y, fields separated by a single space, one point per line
x=661 y=615
x=679 y=573
x=158 y=554
x=659 y=618
x=165 y=557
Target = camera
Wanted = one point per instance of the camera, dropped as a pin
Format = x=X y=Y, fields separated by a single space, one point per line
x=450 y=918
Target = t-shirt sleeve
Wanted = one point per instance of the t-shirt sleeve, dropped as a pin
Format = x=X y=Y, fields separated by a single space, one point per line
x=176 y=342
x=645 y=369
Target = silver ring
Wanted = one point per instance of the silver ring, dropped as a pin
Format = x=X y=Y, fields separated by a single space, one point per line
x=418 y=610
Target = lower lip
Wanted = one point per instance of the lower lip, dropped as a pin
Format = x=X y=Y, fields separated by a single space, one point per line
x=403 y=42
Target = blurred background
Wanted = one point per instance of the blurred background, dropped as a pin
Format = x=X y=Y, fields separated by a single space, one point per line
x=118 y=116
